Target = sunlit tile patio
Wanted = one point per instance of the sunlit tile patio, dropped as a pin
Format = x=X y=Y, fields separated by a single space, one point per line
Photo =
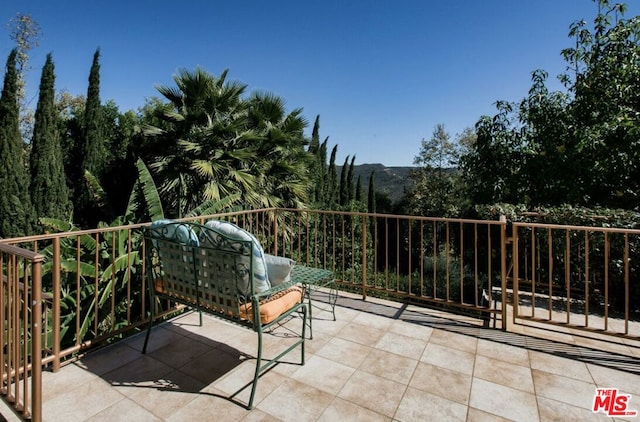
x=379 y=361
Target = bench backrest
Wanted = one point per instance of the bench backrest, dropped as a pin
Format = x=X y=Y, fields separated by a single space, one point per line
x=197 y=265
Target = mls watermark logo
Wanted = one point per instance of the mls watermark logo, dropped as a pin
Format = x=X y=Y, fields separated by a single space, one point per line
x=612 y=403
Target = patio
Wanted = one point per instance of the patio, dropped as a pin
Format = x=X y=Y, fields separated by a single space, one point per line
x=380 y=360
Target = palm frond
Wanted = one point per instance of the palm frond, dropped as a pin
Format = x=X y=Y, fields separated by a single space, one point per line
x=214 y=206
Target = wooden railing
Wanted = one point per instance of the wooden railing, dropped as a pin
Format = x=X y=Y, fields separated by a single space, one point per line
x=21 y=321
x=94 y=283
x=581 y=277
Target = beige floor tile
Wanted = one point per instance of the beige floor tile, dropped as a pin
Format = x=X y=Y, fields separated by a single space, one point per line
x=389 y=365
x=209 y=407
x=504 y=352
x=57 y=383
x=81 y=403
x=109 y=358
x=257 y=415
x=553 y=410
x=214 y=364
x=504 y=373
x=503 y=401
x=319 y=340
x=178 y=353
x=448 y=358
x=186 y=323
x=454 y=340
x=367 y=336
x=345 y=314
x=475 y=415
x=342 y=410
x=373 y=321
x=559 y=366
x=295 y=401
x=124 y=410
x=291 y=363
x=345 y=352
x=410 y=329
x=237 y=384
x=8 y=413
x=245 y=341
x=324 y=374
x=612 y=378
x=481 y=376
x=451 y=385
x=604 y=346
x=167 y=394
x=373 y=392
x=329 y=327
x=419 y=406
x=139 y=373
x=567 y=390
x=215 y=331
x=160 y=336
x=402 y=345
x=547 y=334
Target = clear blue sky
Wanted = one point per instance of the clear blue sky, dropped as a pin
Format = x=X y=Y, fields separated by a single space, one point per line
x=381 y=74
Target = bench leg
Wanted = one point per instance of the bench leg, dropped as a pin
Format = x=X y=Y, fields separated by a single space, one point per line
x=257 y=372
x=333 y=299
x=151 y=316
x=260 y=368
x=310 y=316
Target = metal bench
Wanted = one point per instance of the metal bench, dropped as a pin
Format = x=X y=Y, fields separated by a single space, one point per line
x=202 y=268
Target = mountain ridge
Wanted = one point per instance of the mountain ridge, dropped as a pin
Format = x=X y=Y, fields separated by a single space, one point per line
x=393 y=181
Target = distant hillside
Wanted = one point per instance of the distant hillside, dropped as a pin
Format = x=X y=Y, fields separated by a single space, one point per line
x=390 y=180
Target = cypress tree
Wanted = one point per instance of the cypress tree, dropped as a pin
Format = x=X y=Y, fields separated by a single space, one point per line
x=91 y=151
x=371 y=200
x=319 y=168
x=15 y=207
x=358 y=196
x=344 y=190
x=333 y=179
x=350 y=194
x=315 y=137
x=48 y=188
x=94 y=149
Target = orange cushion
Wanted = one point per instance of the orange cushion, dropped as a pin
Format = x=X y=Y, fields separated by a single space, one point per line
x=273 y=307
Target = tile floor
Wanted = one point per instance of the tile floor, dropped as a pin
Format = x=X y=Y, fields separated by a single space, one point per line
x=379 y=361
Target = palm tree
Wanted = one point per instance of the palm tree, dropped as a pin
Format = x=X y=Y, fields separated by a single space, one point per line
x=283 y=168
x=213 y=144
x=204 y=154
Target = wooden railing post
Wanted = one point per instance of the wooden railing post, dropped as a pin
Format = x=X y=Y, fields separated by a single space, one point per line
x=275 y=232
x=364 y=257
x=36 y=340
x=56 y=304
x=516 y=271
x=503 y=269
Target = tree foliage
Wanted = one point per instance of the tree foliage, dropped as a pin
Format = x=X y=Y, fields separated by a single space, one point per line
x=94 y=149
x=15 y=206
x=48 y=188
x=579 y=147
x=26 y=33
x=212 y=143
x=434 y=176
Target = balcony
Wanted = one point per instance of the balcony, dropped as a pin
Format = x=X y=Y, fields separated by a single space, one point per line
x=496 y=348
x=379 y=361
